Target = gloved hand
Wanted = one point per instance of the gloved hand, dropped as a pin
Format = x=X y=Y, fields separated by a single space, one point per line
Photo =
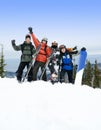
x=30 y=30
x=13 y=42
x=75 y=52
x=83 y=49
x=58 y=62
x=75 y=48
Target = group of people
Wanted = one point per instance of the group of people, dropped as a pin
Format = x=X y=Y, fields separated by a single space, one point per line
x=59 y=64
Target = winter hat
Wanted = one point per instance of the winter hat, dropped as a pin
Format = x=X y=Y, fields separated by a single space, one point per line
x=27 y=36
x=54 y=43
x=45 y=39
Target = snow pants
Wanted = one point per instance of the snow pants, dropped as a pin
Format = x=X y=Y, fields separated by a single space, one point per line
x=69 y=73
x=19 y=72
x=36 y=67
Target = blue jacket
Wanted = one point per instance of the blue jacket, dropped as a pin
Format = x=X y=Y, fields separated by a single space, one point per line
x=66 y=61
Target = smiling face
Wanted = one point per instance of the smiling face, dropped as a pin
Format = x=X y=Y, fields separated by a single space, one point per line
x=28 y=40
x=63 y=50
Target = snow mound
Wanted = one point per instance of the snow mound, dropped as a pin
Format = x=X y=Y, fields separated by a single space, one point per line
x=42 y=106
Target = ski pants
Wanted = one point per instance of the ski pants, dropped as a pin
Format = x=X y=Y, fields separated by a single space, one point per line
x=19 y=72
x=69 y=73
x=36 y=67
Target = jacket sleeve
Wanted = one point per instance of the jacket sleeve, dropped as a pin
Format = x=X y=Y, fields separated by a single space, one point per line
x=35 y=40
x=74 y=52
x=17 y=48
x=70 y=49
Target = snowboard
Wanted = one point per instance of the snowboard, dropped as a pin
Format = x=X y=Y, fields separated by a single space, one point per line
x=81 y=66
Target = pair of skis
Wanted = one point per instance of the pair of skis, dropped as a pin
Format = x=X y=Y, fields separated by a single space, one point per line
x=46 y=64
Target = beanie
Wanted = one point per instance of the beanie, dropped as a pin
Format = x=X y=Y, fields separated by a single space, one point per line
x=27 y=36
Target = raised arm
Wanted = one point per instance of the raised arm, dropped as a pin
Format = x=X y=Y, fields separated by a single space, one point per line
x=17 y=48
x=35 y=40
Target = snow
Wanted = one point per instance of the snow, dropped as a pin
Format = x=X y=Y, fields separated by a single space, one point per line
x=42 y=106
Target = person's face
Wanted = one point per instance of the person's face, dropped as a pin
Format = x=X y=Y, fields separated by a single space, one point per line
x=28 y=40
x=54 y=46
x=63 y=50
x=44 y=42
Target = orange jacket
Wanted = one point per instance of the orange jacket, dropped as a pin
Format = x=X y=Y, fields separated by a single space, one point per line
x=44 y=52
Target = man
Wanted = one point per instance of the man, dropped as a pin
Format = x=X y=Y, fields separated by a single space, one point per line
x=27 y=51
x=42 y=56
x=53 y=67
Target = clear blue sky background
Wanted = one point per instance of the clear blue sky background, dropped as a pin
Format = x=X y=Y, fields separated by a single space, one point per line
x=69 y=22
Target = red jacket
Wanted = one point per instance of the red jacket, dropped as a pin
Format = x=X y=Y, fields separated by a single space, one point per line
x=44 y=52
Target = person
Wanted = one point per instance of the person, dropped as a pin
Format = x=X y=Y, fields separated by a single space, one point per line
x=42 y=56
x=65 y=62
x=53 y=62
x=27 y=51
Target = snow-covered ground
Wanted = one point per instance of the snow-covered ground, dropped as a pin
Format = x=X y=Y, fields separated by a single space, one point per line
x=42 y=106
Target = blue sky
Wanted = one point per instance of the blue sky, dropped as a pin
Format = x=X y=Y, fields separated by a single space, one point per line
x=69 y=22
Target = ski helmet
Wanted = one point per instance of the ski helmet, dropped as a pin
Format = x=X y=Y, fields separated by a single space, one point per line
x=62 y=46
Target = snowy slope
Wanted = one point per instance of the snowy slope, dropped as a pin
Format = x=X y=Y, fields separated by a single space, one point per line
x=43 y=106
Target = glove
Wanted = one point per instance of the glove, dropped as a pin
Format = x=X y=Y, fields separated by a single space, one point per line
x=58 y=63
x=75 y=48
x=30 y=30
x=13 y=42
x=75 y=52
x=83 y=49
